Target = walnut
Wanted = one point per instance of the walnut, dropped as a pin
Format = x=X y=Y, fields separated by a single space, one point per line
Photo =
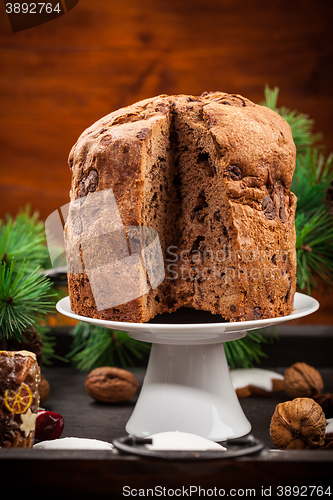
x=302 y=380
x=44 y=389
x=111 y=385
x=298 y=424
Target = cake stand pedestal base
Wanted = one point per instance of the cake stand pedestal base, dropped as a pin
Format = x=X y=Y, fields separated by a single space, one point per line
x=188 y=388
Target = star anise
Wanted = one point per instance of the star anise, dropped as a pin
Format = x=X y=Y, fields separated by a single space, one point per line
x=326 y=402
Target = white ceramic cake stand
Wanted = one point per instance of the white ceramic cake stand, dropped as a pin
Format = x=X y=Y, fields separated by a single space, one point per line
x=187 y=386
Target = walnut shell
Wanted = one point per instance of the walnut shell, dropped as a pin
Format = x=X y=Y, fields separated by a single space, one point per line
x=298 y=424
x=302 y=380
x=44 y=389
x=108 y=384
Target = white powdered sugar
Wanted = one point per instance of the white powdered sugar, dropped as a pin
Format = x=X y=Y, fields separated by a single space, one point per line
x=258 y=377
x=74 y=443
x=182 y=441
x=329 y=427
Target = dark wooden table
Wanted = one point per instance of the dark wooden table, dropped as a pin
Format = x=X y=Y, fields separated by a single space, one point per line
x=104 y=474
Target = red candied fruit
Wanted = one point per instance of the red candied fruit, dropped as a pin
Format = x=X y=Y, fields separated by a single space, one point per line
x=49 y=425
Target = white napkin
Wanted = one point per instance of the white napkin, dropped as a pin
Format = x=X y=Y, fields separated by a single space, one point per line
x=182 y=441
x=73 y=443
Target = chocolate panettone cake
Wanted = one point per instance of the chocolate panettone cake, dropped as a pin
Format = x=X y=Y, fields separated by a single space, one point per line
x=212 y=176
x=19 y=398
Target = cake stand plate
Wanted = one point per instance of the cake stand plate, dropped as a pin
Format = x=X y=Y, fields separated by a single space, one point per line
x=187 y=387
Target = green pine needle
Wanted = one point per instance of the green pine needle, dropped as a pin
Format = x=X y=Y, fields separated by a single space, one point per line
x=314 y=247
x=271 y=97
x=242 y=353
x=23 y=239
x=25 y=296
x=312 y=177
x=95 y=346
x=301 y=125
x=24 y=299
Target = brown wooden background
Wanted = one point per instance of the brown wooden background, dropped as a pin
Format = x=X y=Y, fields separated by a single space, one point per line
x=58 y=78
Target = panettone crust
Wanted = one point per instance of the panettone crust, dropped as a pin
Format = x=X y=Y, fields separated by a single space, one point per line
x=212 y=175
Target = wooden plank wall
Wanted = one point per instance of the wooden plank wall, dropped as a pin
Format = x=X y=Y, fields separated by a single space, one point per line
x=58 y=78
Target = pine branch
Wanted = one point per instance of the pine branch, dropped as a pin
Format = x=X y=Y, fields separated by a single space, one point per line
x=24 y=299
x=271 y=97
x=95 y=346
x=313 y=176
x=314 y=248
x=242 y=353
x=23 y=239
x=301 y=127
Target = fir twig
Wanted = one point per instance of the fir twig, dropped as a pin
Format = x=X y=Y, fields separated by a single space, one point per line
x=95 y=346
x=312 y=177
x=24 y=299
x=242 y=353
x=23 y=239
x=314 y=247
x=22 y=251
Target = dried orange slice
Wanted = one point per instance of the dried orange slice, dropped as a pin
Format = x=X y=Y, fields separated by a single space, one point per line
x=20 y=401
